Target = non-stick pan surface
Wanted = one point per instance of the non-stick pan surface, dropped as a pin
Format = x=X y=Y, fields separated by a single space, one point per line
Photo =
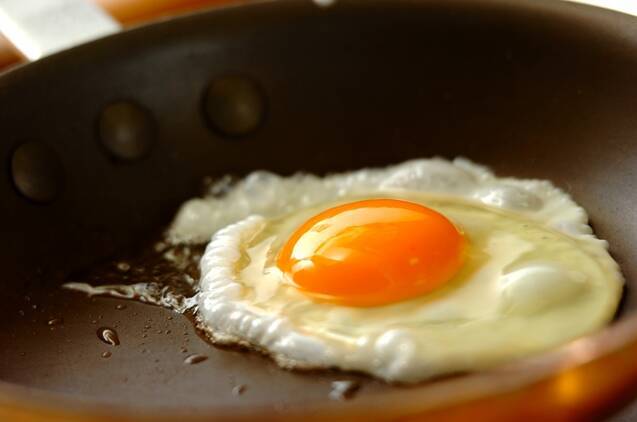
x=532 y=88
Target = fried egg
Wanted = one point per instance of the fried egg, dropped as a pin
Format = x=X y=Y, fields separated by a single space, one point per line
x=421 y=269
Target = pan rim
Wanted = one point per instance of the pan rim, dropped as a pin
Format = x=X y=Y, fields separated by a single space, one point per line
x=614 y=340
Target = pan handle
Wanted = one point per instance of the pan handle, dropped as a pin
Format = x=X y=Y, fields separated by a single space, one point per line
x=38 y=28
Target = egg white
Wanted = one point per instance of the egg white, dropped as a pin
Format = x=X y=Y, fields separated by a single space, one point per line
x=535 y=276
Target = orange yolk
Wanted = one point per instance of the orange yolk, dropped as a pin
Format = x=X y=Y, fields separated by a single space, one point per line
x=372 y=252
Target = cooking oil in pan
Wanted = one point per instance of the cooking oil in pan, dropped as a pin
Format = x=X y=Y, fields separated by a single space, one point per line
x=195 y=359
x=161 y=275
x=108 y=336
x=55 y=321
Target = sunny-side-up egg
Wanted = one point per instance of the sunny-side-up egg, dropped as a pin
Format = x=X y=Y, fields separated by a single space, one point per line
x=420 y=269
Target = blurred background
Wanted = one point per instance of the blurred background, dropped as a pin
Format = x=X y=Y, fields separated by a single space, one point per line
x=137 y=12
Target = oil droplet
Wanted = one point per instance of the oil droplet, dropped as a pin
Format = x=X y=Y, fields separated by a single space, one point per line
x=108 y=336
x=21 y=312
x=94 y=321
x=195 y=359
x=120 y=307
x=144 y=335
x=170 y=317
x=239 y=389
x=168 y=331
x=183 y=350
x=55 y=321
x=343 y=390
x=107 y=355
x=123 y=266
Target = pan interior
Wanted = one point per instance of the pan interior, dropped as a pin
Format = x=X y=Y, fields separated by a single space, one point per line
x=362 y=83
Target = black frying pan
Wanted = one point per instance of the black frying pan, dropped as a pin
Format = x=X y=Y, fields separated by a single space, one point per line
x=101 y=143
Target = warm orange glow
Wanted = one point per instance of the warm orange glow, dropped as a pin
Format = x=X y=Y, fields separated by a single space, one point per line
x=372 y=252
x=570 y=388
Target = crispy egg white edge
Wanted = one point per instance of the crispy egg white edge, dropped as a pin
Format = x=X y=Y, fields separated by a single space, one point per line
x=227 y=320
x=270 y=195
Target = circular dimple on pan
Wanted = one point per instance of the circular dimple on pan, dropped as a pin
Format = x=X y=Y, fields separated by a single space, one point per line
x=37 y=172
x=234 y=106
x=127 y=130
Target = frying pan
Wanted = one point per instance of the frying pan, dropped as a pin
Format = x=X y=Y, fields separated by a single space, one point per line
x=101 y=143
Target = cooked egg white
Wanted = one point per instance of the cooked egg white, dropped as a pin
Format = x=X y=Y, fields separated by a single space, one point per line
x=533 y=278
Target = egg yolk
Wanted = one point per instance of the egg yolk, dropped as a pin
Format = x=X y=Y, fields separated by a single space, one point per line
x=372 y=252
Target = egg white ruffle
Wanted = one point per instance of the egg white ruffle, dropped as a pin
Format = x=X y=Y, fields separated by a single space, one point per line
x=235 y=218
x=229 y=320
x=271 y=195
